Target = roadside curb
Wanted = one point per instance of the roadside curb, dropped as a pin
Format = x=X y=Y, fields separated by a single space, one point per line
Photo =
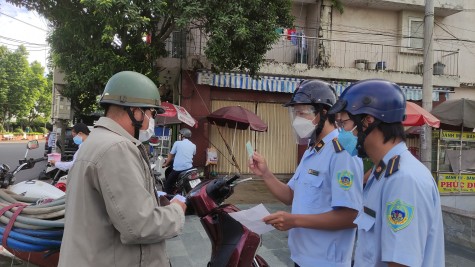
x=18 y=141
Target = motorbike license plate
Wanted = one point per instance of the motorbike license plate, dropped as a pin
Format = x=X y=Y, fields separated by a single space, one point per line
x=194 y=183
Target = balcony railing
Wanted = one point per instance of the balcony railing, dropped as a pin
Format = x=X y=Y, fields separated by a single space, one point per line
x=441 y=7
x=361 y=55
x=365 y=56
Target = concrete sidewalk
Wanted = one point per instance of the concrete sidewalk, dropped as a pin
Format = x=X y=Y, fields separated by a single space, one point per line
x=193 y=248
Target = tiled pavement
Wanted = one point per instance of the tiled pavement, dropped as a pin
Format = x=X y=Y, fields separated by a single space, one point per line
x=193 y=249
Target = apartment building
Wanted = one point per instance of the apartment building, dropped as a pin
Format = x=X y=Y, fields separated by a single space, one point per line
x=370 y=39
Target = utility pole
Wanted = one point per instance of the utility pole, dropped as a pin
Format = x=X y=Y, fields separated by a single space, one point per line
x=427 y=85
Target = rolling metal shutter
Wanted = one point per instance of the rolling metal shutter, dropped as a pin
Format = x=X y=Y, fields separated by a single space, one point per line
x=277 y=144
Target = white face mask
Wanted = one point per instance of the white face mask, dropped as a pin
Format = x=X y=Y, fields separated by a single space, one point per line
x=144 y=135
x=303 y=127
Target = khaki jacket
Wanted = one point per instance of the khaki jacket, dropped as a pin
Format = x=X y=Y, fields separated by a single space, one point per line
x=112 y=214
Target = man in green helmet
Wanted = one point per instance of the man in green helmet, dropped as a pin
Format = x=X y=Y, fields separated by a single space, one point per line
x=113 y=217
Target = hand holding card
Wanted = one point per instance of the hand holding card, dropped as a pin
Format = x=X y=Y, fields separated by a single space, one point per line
x=250 y=149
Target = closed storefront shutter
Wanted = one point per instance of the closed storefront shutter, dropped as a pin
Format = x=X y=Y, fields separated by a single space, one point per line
x=276 y=144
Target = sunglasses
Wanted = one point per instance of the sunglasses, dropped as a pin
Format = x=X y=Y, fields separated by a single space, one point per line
x=152 y=110
x=341 y=123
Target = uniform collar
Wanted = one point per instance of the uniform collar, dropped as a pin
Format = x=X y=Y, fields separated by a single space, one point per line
x=390 y=158
x=113 y=126
x=396 y=150
x=326 y=140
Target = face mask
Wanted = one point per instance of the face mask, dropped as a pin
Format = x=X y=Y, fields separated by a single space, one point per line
x=348 y=141
x=77 y=140
x=303 y=127
x=144 y=135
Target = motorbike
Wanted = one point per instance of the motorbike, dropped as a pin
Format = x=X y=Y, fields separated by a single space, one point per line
x=232 y=243
x=156 y=162
x=55 y=176
x=39 y=206
x=186 y=181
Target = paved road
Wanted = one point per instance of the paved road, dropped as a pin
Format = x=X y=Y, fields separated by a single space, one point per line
x=11 y=152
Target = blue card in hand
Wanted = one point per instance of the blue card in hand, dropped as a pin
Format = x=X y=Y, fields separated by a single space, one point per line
x=249 y=149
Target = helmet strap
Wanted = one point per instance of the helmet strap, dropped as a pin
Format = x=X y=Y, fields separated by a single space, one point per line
x=362 y=134
x=137 y=124
x=321 y=123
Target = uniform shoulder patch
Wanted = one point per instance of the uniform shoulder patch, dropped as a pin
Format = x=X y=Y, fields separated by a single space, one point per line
x=337 y=146
x=399 y=214
x=345 y=179
x=379 y=170
x=319 y=145
x=393 y=166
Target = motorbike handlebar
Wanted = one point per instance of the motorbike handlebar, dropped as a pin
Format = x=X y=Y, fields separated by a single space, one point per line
x=38 y=160
x=30 y=163
x=230 y=181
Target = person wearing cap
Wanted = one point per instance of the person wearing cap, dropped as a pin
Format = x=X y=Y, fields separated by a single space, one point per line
x=80 y=133
x=113 y=216
x=401 y=221
x=326 y=190
x=181 y=155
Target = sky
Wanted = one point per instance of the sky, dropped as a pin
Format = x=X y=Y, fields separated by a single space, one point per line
x=13 y=31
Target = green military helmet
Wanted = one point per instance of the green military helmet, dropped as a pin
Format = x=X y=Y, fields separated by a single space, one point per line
x=131 y=89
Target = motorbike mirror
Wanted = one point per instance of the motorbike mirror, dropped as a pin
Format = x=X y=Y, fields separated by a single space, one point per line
x=33 y=144
x=4 y=168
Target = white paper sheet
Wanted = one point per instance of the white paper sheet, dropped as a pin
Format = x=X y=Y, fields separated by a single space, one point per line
x=252 y=219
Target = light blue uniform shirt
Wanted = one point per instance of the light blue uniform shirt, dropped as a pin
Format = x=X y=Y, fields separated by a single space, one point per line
x=406 y=222
x=323 y=181
x=184 y=151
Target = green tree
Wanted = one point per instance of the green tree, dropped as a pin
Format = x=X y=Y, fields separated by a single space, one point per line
x=24 y=92
x=16 y=72
x=3 y=84
x=93 y=39
x=40 y=93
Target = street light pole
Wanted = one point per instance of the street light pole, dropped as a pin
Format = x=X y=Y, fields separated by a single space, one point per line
x=427 y=84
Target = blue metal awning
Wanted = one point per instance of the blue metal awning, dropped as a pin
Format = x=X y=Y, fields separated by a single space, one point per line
x=288 y=85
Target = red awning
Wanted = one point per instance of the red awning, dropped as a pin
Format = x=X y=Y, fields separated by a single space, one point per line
x=417 y=116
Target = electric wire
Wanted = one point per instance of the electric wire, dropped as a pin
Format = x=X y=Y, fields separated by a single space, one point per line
x=34 y=26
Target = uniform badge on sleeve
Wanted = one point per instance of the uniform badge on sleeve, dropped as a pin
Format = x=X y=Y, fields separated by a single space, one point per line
x=345 y=179
x=399 y=214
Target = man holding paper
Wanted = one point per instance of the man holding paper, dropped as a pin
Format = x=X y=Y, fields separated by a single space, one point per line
x=326 y=189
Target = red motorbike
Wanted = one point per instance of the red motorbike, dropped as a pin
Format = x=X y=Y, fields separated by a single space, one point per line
x=232 y=244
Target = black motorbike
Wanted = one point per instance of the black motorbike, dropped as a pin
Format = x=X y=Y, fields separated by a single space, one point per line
x=186 y=181
x=51 y=174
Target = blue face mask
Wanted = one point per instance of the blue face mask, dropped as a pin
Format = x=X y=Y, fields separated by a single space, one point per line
x=348 y=141
x=77 y=140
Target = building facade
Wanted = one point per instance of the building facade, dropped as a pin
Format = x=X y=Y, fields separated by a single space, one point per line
x=370 y=39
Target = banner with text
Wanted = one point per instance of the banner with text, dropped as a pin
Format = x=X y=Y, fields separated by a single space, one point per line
x=455 y=136
x=452 y=183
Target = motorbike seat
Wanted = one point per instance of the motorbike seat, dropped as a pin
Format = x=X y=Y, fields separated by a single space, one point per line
x=187 y=172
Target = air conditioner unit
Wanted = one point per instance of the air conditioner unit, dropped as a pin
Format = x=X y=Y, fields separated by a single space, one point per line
x=62 y=108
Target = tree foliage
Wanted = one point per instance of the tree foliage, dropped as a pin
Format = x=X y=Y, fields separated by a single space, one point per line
x=24 y=92
x=338 y=5
x=93 y=39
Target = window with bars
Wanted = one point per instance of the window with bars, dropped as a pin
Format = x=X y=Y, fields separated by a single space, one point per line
x=416 y=33
x=178 y=44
